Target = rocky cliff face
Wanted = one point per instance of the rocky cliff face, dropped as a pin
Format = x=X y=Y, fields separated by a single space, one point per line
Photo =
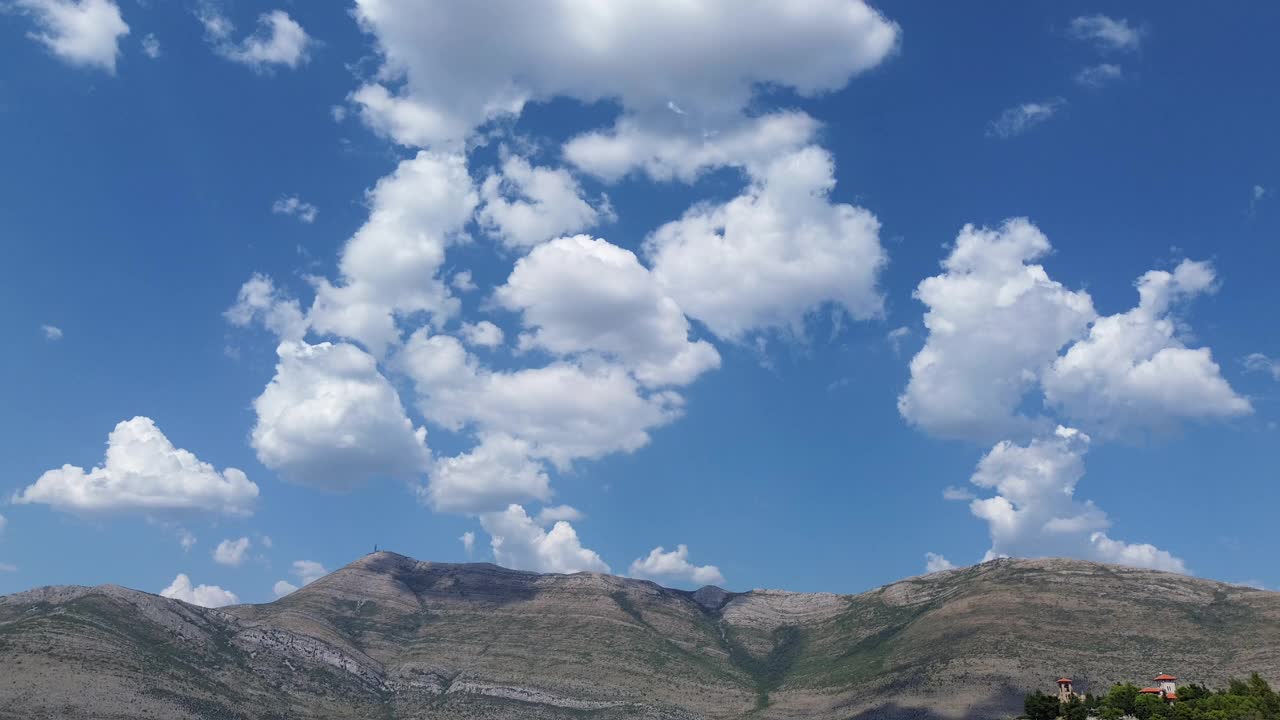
x=391 y=637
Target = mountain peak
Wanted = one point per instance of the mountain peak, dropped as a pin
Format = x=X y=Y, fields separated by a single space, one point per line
x=387 y=635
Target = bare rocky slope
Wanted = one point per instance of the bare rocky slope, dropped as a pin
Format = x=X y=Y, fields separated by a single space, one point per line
x=391 y=637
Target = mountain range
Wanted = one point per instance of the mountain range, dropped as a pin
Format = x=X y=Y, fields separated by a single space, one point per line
x=391 y=637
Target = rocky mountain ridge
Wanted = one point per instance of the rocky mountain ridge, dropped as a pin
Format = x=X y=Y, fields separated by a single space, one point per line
x=391 y=637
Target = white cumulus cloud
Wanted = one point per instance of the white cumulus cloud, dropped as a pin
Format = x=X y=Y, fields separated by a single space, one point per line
x=231 y=552
x=79 y=32
x=51 y=332
x=584 y=295
x=661 y=565
x=933 y=562
x=996 y=320
x=259 y=300
x=1034 y=512
x=329 y=419
x=564 y=411
x=391 y=265
x=674 y=154
x=773 y=255
x=714 y=56
x=143 y=472
x=306 y=572
x=279 y=40
x=488 y=478
x=1133 y=372
x=555 y=513
x=210 y=596
x=520 y=543
x=481 y=334
x=525 y=205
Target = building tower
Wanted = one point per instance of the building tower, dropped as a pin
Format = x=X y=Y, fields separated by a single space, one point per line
x=1065 y=694
x=1168 y=684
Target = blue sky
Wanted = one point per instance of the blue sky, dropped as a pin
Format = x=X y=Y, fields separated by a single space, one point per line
x=701 y=271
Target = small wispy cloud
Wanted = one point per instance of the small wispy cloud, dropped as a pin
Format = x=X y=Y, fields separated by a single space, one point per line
x=896 y=336
x=1107 y=33
x=295 y=206
x=51 y=332
x=1259 y=194
x=151 y=46
x=1021 y=118
x=1096 y=76
x=1257 y=362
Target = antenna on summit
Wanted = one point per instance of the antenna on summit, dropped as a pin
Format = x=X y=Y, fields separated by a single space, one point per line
x=375 y=547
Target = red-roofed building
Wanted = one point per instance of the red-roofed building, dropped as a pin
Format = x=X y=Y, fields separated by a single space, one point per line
x=1065 y=693
x=1166 y=687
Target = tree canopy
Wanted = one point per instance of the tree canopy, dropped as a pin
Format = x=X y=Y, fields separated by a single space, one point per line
x=1249 y=699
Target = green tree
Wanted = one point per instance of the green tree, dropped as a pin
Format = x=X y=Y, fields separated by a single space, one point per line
x=1192 y=692
x=1146 y=706
x=1121 y=697
x=1039 y=706
x=1075 y=710
x=1107 y=712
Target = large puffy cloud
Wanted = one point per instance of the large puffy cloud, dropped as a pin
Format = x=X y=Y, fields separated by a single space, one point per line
x=521 y=543
x=579 y=294
x=565 y=410
x=1132 y=372
x=210 y=596
x=80 y=32
x=488 y=478
x=330 y=419
x=279 y=40
x=674 y=566
x=1034 y=512
x=774 y=254
x=143 y=472
x=674 y=155
x=391 y=265
x=996 y=320
x=526 y=205
x=714 y=55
